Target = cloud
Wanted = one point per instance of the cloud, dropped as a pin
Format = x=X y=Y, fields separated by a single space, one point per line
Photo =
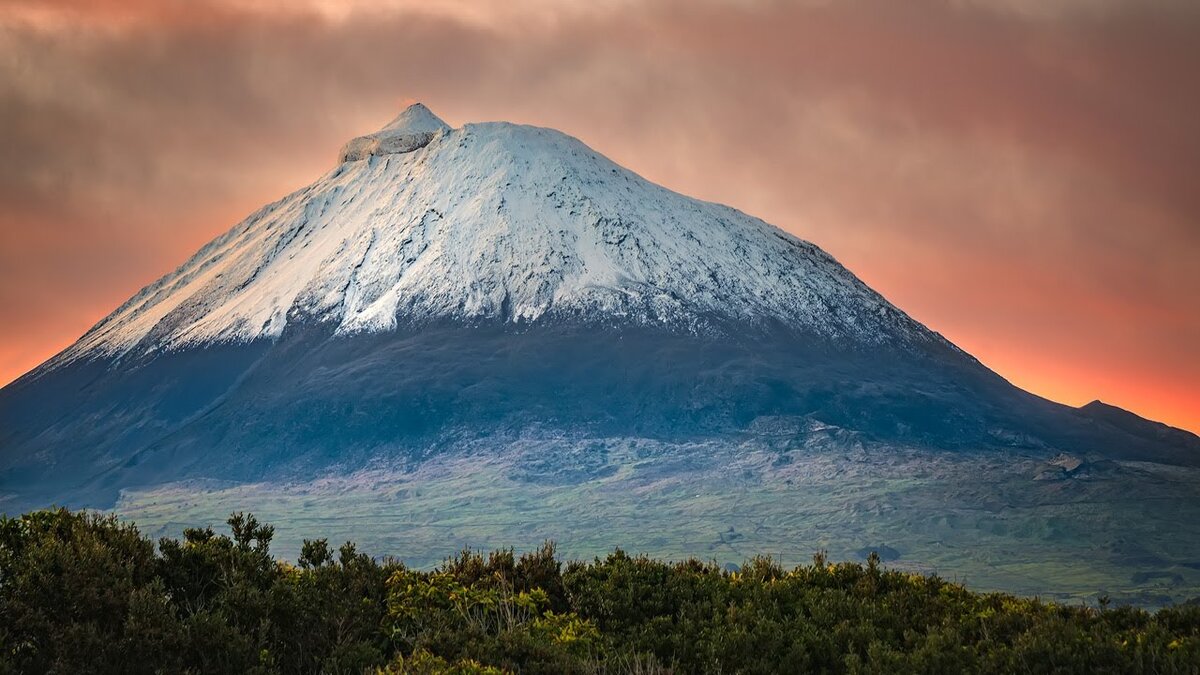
x=1018 y=175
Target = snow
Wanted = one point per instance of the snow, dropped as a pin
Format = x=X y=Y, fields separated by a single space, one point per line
x=412 y=129
x=491 y=222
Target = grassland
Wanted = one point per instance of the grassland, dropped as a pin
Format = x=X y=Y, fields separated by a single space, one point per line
x=992 y=520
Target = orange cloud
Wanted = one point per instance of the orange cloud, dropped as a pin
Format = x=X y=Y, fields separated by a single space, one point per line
x=1019 y=176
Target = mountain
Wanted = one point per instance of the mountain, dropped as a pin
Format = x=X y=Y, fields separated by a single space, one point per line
x=442 y=287
x=492 y=223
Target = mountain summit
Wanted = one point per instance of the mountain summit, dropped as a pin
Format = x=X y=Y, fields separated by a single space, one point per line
x=492 y=281
x=412 y=129
x=492 y=223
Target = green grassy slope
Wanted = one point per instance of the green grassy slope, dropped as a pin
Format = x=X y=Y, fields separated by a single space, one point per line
x=1010 y=523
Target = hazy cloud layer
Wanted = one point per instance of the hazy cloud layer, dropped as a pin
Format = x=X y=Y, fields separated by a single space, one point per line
x=1018 y=175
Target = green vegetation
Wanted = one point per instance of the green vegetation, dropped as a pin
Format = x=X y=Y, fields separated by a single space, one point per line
x=984 y=519
x=83 y=593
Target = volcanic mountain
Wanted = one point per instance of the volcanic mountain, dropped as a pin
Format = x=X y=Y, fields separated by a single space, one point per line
x=441 y=286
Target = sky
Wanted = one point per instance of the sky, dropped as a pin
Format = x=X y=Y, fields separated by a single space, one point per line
x=1022 y=176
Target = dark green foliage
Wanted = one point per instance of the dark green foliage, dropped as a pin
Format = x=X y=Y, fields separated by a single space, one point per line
x=863 y=619
x=79 y=589
x=82 y=593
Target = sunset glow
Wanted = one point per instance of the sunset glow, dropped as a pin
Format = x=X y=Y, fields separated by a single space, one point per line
x=1019 y=176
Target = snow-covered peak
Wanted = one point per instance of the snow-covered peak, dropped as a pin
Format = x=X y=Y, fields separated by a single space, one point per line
x=501 y=223
x=412 y=129
x=416 y=118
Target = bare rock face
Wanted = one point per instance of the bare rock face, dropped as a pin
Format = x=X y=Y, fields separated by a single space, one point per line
x=1067 y=462
x=412 y=130
x=1063 y=467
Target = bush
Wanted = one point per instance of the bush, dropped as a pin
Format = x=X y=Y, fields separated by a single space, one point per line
x=86 y=593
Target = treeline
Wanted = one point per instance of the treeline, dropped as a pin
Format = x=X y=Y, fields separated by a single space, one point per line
x=83 y=593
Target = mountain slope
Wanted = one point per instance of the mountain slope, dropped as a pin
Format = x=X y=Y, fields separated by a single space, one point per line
x=496 y=281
